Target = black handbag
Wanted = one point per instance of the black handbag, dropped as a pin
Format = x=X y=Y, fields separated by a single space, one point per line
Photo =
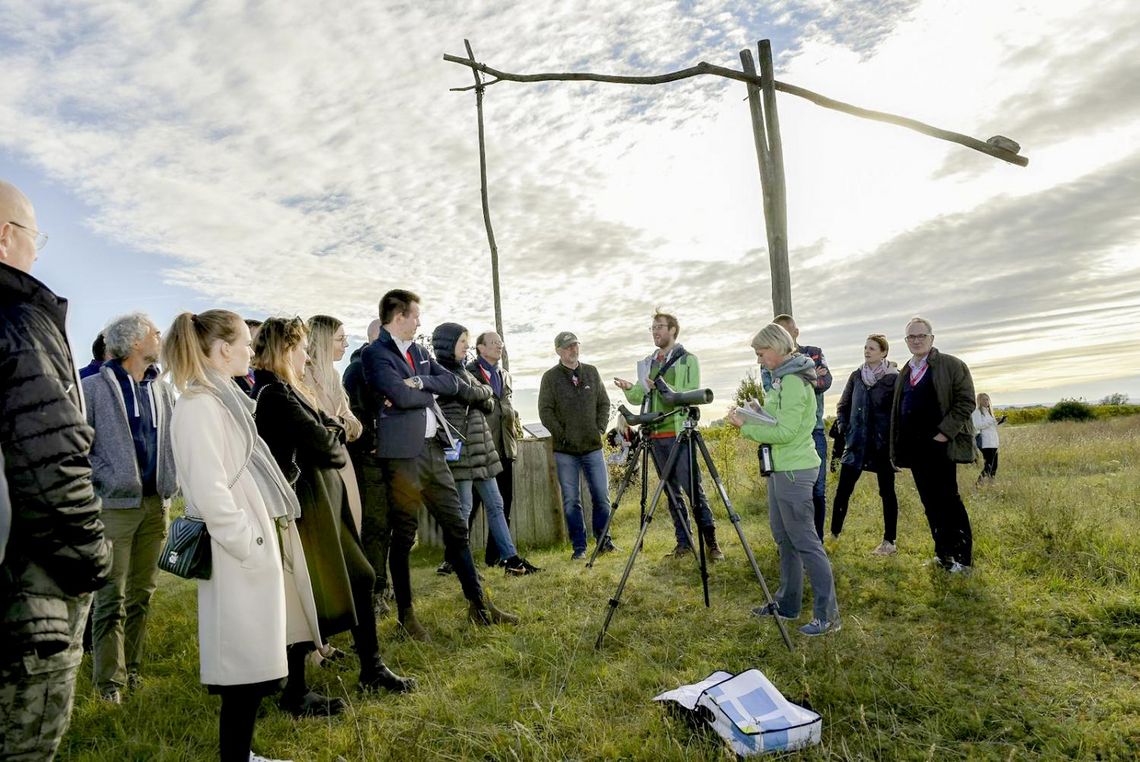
x=187 y=549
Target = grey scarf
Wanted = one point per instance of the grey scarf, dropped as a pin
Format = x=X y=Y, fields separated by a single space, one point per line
x=797 y=365
x=280 y=499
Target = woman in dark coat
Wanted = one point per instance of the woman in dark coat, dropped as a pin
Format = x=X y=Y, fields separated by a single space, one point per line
x=864 y=418
x=478 y=462
x=309 y=447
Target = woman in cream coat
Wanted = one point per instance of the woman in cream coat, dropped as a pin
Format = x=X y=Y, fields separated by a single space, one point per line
x=259 y=598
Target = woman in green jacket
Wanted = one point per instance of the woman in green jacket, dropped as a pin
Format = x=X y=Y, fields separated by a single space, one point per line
x=794 y=468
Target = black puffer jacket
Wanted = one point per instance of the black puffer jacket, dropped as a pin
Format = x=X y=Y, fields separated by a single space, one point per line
x=467 y=411
x=56 y=549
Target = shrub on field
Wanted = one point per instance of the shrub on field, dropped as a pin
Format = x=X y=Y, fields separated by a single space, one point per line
x=1071 y=410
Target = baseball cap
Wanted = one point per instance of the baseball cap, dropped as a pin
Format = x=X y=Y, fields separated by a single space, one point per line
x=565 y=339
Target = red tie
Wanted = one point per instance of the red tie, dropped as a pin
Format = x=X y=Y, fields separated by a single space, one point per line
x=411 y=362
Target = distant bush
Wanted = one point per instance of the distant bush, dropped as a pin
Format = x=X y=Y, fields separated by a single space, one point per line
x=1071 y=410
x=1119 y=398
x=1017 y=416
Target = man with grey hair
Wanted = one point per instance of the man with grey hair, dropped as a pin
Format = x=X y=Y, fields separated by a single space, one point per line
x=133 y=470
x=931 y=432
x=56 y=553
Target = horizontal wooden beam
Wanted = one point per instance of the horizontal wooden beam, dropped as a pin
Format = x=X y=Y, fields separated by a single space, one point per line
x=704 y=68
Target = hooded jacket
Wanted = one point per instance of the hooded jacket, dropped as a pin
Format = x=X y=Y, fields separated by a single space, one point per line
x=791 y=401
x=466 y=411
x=56 y=549
x=114 y=455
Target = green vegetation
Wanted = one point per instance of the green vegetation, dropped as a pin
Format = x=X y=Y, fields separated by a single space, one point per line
x=1034 y=656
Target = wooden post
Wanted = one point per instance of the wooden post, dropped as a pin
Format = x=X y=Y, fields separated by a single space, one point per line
x=770 y=181
x=487 y=207
x=778 y=254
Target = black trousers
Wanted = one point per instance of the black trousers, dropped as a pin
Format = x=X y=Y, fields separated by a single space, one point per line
x=236 y=720
x=506 y=483
x=375 y=532
x=936 y=479
x=848 y=477
x=415 y=483
x=990 y=465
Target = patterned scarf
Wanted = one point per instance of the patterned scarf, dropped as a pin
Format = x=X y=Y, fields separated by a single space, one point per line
x=872 y=373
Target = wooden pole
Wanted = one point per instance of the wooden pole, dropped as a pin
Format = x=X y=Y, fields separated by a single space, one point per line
x=778 y=245
x=777 y=240
x=991 y=149
x=487 y=207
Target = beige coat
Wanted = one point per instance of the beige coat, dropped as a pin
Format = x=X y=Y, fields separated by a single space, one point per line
x=255 y=603
x=334 y=404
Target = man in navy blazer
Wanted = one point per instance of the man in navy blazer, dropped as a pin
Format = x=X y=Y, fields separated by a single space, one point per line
x=412 y=435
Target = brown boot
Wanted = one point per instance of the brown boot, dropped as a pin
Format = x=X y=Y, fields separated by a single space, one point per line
x=412 y=627
x=484 y=612
x=712 y=548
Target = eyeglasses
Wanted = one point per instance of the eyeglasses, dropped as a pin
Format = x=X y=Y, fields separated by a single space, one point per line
x=656 y=326
x=41 y=239
x=919 y=336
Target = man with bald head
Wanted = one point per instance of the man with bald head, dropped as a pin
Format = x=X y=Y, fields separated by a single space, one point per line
x=56 y=553
x=375 y=533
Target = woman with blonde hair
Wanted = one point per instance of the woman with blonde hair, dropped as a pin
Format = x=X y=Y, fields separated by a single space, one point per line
x=794 y=469
x=327 y=345
x=309 y=447
x=986 y=429
x=259 y=598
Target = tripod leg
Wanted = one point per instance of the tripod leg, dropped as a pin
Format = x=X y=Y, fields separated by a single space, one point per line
x=734 y=517
x=702 y=562
x=616 y=599
x=627 y=479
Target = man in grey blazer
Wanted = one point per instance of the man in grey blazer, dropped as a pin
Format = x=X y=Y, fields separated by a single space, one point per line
x=133 y=471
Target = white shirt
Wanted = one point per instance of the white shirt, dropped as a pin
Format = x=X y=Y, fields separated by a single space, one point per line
x=432 y=424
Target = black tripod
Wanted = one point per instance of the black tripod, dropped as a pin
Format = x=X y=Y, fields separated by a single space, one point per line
x=690 y=435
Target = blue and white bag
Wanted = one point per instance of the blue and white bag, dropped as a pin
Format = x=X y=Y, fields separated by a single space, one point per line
x=748 y=712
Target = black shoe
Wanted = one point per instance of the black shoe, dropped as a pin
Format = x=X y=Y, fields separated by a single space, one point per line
x=444 y=568
x=312 y=704
x=382 y=677
x=517 y=566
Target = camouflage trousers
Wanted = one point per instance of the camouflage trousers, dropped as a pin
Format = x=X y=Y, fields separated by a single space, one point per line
x=36 y=695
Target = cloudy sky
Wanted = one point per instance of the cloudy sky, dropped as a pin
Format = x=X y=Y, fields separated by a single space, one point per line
x=302 y=157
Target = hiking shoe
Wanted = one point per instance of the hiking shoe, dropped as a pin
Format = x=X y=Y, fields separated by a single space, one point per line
x=518 y=567
x=772 y=609
x=111 y=696
x=607 y=547
x=444 y=569
x=134 y=680
x=412 y=627
x=382 y=677
x=258 y=758
x=680 y=551
x=380 y=605
x=579 y=555
x=312 y=704
x=820 y=627
x=486 y=613
x=886 y=548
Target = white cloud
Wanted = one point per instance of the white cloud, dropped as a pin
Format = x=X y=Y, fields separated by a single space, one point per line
x=303 y=157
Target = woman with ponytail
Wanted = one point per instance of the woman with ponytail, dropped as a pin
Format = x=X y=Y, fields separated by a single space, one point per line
x=258 y=599
x=309 y=447
x=327 y=345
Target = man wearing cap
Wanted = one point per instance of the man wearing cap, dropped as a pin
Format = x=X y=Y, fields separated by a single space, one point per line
x=574 y=408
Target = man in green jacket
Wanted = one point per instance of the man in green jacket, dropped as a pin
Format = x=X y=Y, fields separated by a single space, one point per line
x=681 y=371
x=931 y=433
x=574 y=408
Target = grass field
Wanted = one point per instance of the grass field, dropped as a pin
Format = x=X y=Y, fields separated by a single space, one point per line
x=1036 y=655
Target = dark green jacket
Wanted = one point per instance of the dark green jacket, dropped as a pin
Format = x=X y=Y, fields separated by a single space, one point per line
x=954 y=388
x=682 y=376
x=575 y=415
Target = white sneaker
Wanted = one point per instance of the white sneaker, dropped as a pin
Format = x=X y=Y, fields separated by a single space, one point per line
x=957 y=568
x=258 y=758
x=885 y=549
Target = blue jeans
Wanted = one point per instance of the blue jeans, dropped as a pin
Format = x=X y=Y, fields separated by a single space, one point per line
x=790 y=517
x=488 y=490
x=819 y=489
x=593 y=465
x=678 y=485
